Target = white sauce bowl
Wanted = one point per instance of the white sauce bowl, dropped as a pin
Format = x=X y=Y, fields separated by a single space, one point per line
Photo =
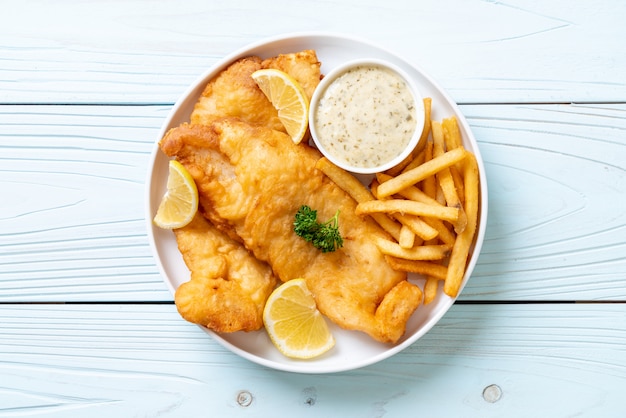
x=345 y=112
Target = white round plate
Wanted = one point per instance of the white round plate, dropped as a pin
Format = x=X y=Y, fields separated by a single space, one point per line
x=353 y=349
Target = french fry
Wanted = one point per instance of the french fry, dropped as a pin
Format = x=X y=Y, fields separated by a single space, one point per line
x=428 y=104
x=418 y=160
x=407 y=207
x=439 y=147
x=463 y=243
x=392 y=227
x=417 y=174
x=411 y=192
x=430 y=289
x=451 y=133
x=386 y=221
x=429 y=184
x=443 y=233
x=444 y=177
x=458 y=183
x=417 y=226
x=425 y=268
x=374 y=188
x=344 y=180
x=452 y=139
x=406 y=238
x=422 y=252
x=472 y=192
x=440 y=196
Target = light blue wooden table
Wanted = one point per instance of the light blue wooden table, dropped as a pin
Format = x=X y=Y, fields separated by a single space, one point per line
x=89 y=329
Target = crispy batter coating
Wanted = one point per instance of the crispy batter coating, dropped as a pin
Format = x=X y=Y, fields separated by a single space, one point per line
x=228 y=286
x=254 y=180
x=233 y=92
x=303 y=66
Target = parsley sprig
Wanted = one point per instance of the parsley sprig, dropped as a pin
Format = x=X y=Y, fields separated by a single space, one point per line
x=324 y=236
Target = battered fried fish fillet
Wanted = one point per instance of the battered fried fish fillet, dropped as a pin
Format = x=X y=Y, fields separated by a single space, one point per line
x=303 y=66
x=252 y=180
x=228 y=286
x=233 y=92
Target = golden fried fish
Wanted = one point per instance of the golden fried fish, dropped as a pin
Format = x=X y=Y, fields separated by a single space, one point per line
x=303 y=66
x=233 y=92
x=252 y=180
x=228 y=286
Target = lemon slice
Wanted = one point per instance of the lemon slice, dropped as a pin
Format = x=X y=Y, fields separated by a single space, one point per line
x=180 y=202
x=288 y=97
x=293 y=322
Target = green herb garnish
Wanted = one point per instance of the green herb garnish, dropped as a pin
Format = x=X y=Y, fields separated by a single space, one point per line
x=324 y=236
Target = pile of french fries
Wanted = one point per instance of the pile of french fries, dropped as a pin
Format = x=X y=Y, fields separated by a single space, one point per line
x=428 y=204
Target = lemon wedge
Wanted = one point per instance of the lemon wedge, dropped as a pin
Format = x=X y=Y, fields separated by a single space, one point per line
x=288 y=97
x=293 y=322
x=180 y=202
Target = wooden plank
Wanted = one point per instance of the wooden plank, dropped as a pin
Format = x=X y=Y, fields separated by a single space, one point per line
x=74 y=229
x=96 y=52
x=72 y=221
x=556 y=360
x=557 y=212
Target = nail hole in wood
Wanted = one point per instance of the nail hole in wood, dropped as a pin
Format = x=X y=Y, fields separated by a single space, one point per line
x=492 y=393
x=310 y=396
x=244 y=398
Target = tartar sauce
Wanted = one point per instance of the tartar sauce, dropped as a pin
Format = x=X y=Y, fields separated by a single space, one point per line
x=366 y=116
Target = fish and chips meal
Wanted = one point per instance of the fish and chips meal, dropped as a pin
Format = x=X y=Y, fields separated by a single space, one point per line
x=271 y=209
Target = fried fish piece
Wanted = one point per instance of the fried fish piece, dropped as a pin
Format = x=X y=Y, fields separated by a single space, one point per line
x=233 y=92
x=253 y=180
x=228 y=286
x=303 y=66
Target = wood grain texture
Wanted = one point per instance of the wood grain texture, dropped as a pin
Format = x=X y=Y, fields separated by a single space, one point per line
x=108 y=360
x=87 y=326
x=480 y=51
x=557 y=206
x=72 y=222
x=74 y=228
